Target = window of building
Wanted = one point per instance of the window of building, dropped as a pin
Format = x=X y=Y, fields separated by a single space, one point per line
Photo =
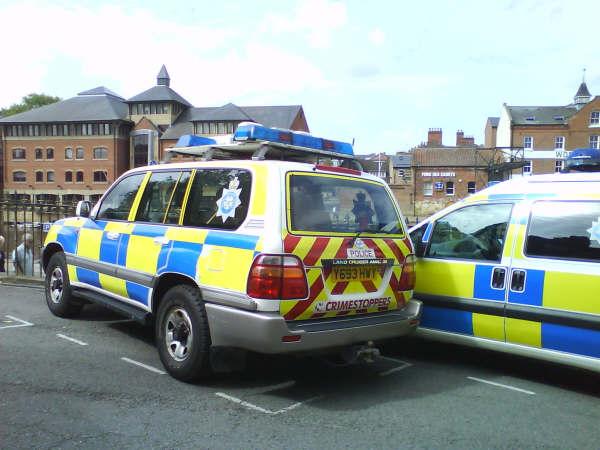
x=19 y=176
x=471 y=187
x=213 y=128
x=69 y=176
x=79 y=176
x=594 y=141
x=100 y=153
x=527 y=168
x=449 y=187
x=49 y=153
x=221 y=127
x=100 y=176
x=563 y=230
x=427 y=188
x=559 y=165
x=18 y=153
x=50 y=176
x=39 y=176
x=595 y=118
x=559 y=142
x=65 y=128
x=474 y=232
x=39 y=153
x=68 y=153
x=528 y=142
x=146 y=108
x=79 y=153
x=118 y=201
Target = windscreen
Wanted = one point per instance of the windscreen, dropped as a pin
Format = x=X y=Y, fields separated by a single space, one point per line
x=337 y=204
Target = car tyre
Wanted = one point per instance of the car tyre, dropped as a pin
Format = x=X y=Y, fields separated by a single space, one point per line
x=182 y=334
x=59 y=296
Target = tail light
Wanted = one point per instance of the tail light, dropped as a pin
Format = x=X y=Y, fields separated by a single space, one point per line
x=408 y=277
x=277 y=277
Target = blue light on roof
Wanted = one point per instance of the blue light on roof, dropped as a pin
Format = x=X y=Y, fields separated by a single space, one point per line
x=256 y=132
x=191 y=140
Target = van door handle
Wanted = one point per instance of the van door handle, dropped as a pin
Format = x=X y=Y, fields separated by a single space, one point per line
x=517 y=282
x=112 y=235
x=498 y=277
x=161 y=240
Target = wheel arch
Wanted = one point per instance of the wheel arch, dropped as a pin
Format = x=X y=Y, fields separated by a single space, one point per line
x=165 y=282
x=48 y=252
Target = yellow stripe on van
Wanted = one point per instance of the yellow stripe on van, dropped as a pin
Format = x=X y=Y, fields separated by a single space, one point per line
x=490 y=327
x=572 y=291
x=113 y=284
x=142 y=254
x=119 y=227
x=138 y=197
x=259 y=198
x=524 y=332
x=88 y=244
x=455 y=278
x=72 y=273
x=181 y=234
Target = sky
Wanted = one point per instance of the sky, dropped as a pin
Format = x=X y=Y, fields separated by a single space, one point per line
x=380 y=73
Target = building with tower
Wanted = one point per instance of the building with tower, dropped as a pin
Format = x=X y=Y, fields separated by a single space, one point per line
x=74 y=149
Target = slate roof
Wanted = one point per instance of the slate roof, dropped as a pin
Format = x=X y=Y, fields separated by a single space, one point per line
x=583 y=90
x=541 y=115
x=86 y=106
x=493 y=121
x=269 y=116
x=159 y=94
x=402 y=160
x=101 y=90
x=451 y=157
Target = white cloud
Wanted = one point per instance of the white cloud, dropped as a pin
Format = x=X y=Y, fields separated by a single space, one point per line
x=316 y=20
x=377 y=37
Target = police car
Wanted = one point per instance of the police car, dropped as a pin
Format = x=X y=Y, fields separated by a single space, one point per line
x=516 y=267
x=275 y=242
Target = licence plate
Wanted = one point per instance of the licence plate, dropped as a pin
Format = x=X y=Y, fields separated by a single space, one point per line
x=355 y=273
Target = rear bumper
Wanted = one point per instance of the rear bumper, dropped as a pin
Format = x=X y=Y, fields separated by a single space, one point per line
x=263 y=332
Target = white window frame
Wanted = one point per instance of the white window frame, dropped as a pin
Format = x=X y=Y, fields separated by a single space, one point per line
x=428 y=188
x=473 y=189
x=559 y=165
x=526 y=140
x=594 y=141
x=14 y=172
x=449 y=188
x=559 y=142
x=595 y=119
x=528 y=167
x=99 y=148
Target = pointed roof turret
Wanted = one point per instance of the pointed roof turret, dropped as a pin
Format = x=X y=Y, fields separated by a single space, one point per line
x=163 y=78
x=583 y=94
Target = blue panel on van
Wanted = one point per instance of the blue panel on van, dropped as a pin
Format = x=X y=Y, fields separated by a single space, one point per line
x=447 y=319
x=88 y=276
x=108 y=249
x=179 y=257
x=123 y=244
x=482 y=285
x=67 y=237
x=570 y=339
x=534 y=289
x=137 y=292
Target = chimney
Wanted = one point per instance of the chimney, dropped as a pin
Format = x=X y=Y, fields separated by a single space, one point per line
x=434 y=137
x=460 y=138
x=469 y=141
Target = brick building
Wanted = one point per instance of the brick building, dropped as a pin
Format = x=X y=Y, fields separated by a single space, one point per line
x=75 y=148
x=546 y=134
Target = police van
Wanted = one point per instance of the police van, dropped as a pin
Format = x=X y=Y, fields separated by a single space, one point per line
x=516 y=267
x=275 y=242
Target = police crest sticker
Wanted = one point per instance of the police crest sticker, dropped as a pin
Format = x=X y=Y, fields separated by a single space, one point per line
x=229 y=201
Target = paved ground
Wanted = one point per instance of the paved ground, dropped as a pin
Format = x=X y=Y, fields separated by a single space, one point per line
x=97 y=382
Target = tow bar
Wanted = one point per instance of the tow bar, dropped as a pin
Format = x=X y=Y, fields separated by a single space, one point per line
x=366 y=353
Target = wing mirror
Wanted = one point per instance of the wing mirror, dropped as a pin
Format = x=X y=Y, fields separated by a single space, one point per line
x=83 y=208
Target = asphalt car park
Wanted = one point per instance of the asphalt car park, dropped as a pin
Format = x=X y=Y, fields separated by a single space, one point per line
x=97 y=382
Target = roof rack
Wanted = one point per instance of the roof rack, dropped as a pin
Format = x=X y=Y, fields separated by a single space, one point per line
x=256 y=142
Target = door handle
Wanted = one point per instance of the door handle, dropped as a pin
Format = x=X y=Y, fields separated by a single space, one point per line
x=112 y=235
x=161 y=240
x=498 y=277
x=517 y=282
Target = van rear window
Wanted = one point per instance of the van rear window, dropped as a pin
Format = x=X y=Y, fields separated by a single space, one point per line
x=569 y=230
x=337 y=204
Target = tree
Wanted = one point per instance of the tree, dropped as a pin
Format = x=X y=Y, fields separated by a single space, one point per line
x=29 y=102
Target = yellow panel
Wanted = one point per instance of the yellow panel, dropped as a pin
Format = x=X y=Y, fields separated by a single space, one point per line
x=186 y=234
x=572 y=291
x=225 y=267
x=449 y=278
x=332 y=248
x=52 y=234
x=259 y=197
x=88 y=244
x=490 y=327
x=119 y=227
x=524 y=332
x=113 y=284
x=520 y=240
x=72 y=272
x=142 y=254
x=304 y=247
x=74 y=222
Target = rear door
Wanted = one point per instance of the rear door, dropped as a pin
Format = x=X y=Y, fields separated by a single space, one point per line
x=554 y=297
x=461 y=277
x=349 y=234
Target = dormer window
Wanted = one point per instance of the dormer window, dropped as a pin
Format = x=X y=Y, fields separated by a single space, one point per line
x=559 y=117
x=530 y=118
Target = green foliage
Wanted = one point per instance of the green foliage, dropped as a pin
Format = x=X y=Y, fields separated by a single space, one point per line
x=29 y=102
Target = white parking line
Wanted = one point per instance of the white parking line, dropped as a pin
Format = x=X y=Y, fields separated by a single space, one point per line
x=22 y=323
x=62 y=336
x=260 y=409
x=403 y=365
x=505 y=386
x=150 y=368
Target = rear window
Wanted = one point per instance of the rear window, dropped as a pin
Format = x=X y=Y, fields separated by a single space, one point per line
x=337 y=204
x=569 y=230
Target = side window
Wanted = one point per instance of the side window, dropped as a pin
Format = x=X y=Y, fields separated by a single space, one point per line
x=568 y=230
x=474 y=232
x=157 y=196
x=416 y=235
x=117 y=203
x=219 y=198
x=177 y=200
